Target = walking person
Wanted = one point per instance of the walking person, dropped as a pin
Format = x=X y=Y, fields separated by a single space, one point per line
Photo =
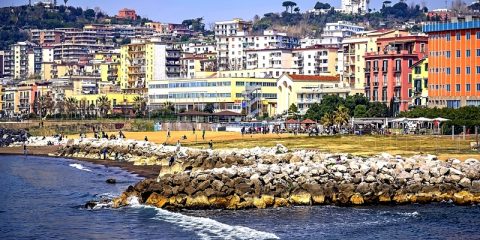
x=210 y=144
x=193 y=130
x=168 y=133
x=203 y=134
x=171 y=161
x=25 y=151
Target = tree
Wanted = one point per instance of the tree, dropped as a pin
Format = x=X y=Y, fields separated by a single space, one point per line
x=89 y=14
x=320 y=5
x=71 y=105
x=297 y=10
x=103 y=105
x=360 y=111
x=293 y=111
x=139 y=106
x=341 y=116
x=289 y=4
x=209 y=108
x=376 y=109
x=65 y=1
x=44 y=105
x=327 y=120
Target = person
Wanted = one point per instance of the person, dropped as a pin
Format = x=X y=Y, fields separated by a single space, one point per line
x=172 y=159
x=25 y=149
x=146 y=139
x=178 y=146
x=120 y=134
x=104 y=151
x=184 y=137
x=193 y=129
x=243 y=131
x=210 y=144
x=203 y=134
x=168 y=133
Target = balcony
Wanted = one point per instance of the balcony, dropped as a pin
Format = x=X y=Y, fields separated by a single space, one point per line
x=375 y=69
x=367 y=69
x=397 y=69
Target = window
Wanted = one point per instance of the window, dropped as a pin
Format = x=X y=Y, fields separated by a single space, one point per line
x=468 y=35
x=448 y=71
x=468 y=53
x=448 y=87
x=467 y=87
x=448 y=54
x=459 y=54
x=448 y=37
x=459 y=36
x=478 y=69
x=458 y=71
x=468 y=69
x=457 y=87
x=478 y=87
x=478 y=35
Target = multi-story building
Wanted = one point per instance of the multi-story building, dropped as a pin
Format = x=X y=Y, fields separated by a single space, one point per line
x=2 y=64
x=253 y=96
x=305 y=90
x=354 y=49
x=47 y=36
x=232 y=48
x=10 y=101
x=388 y=73
x=419 y=81
x=231 y=28
x=126 y=13
x=22 y=60
x=355 y=6
x=145 y=60
x=335 y=33
x=454 y=63
x=192 y=65
x=316 y=60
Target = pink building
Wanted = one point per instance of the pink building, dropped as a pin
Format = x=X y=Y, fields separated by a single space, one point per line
x=387 y=71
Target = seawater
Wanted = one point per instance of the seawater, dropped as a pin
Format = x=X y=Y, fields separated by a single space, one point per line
x=42 y=198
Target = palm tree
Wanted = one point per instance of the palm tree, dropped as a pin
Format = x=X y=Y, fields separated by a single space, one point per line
x=71 y=105
x=327 y=120
x=103 y=105
x=341 y=116
x=139 y=105
x=60 y=105
x=45 y=105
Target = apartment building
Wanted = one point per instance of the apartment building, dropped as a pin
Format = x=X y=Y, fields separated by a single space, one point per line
x=22 y=60
x=253 y=96
x=195 y=65
x=2 y=64
x=305 y=90
x=231 y=28
x=454 y=63
x=335 y=33
x=388 y=72
x=355 y=6
x=316 y=60
x=145 y=60
x=355 y=48
x=419 y=81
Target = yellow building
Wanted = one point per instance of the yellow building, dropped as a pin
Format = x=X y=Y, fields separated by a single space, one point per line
x=419 y=81
x=252 y=96
x=305 y=90
x=143 y=61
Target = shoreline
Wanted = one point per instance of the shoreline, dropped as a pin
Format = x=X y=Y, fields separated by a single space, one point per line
x=142 y=171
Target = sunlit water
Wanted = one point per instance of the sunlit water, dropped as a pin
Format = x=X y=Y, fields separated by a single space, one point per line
x=42 y=198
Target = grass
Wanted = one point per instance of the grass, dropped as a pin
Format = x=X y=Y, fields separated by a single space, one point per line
x=405 y=145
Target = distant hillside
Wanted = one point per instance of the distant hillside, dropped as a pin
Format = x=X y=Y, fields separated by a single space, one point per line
x=15 y=21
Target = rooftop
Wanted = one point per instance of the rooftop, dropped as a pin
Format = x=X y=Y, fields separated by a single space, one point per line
x=305 y=78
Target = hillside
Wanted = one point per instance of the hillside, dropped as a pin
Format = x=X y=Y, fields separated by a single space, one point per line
x=15 y=21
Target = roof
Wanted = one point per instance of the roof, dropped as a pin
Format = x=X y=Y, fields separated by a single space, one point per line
x=227 y=113
x=308 y=121
x=418 y=62
x=315 y=78
x=291 y=121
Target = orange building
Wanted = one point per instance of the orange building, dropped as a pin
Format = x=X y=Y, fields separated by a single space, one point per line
x=127 y=14
x=454 y=63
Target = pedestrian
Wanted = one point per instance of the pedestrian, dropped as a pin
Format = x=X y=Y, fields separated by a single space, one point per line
x=172 y=159
x=104 y=153
x=210 y=144
x=193 y=129
x=146 y=139
x=178 y=146
x=203 y=134
x=168 y=133
x=25 y=149
x=243 y=131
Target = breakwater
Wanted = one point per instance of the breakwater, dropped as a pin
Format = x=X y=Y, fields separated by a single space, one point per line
x=277 y=177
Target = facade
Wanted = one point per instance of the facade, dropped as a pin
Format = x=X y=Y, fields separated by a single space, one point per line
x=232 y=48
x=193 y=65
x=126 y=13
x=355 y=6
x=454 y=63
x=231 y=28
x=2 y=64
x=388 y=73
x=305 y=90
x=419 y=81
x=45 y=37
x=334 y=33
x=22 y=60
x=316 y=60
x=251 y=96
x=354 y=49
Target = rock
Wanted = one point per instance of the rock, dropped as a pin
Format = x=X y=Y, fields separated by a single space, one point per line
x=111 y=181
x=301 y=198
x=465 y=182
x=156 y=200
x=463 y=198
x=198 y=202
x=217 y=185
x=370 y=178
x=318 y=199
x=90 y=204
x=476 y=186
x=356 y=199
x=281 y=202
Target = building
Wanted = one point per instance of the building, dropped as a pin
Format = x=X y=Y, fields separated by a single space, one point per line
x=316 y=60
x=305 y=90
x=2 y=64
x=354 y=49
x=45 y=37
x=335 y=33
x=143 y=61
x=193 y=65
x=251 y=96
x=126 y=13
x=388 y=72
x=232 y=49
x=355 y=6
x=440 y=14
x=232 y=28
x=23 y=60
x=419 y=81
x=454 y=63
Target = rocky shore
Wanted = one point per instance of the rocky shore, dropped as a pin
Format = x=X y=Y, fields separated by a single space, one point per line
x=277 y=177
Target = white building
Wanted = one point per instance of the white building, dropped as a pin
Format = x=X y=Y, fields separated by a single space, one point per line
x=316 y=60
x=231 y=28
x=334 y=33
x=355 y=6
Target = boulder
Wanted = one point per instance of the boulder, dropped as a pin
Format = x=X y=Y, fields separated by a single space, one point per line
x=301 y=198
x=111 y=181
x=356 y=199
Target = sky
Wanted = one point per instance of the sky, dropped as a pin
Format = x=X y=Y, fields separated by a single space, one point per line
x=175 y=11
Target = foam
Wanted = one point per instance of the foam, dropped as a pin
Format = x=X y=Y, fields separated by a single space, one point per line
x=205 y=228
x=79 y=167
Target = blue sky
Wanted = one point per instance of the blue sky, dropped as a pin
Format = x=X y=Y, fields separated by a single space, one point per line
x=211 y=10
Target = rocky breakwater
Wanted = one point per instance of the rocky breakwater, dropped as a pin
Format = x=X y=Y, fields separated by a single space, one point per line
x=260 y=178
x=9 y=137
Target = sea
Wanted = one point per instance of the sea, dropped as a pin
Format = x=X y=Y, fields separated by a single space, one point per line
x=43 y=198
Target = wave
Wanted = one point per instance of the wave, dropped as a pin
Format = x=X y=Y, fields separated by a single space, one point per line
x=205 y=228
x=79 y=167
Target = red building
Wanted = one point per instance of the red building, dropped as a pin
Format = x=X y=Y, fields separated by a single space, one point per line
x=127 y=14
x=388 y=73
